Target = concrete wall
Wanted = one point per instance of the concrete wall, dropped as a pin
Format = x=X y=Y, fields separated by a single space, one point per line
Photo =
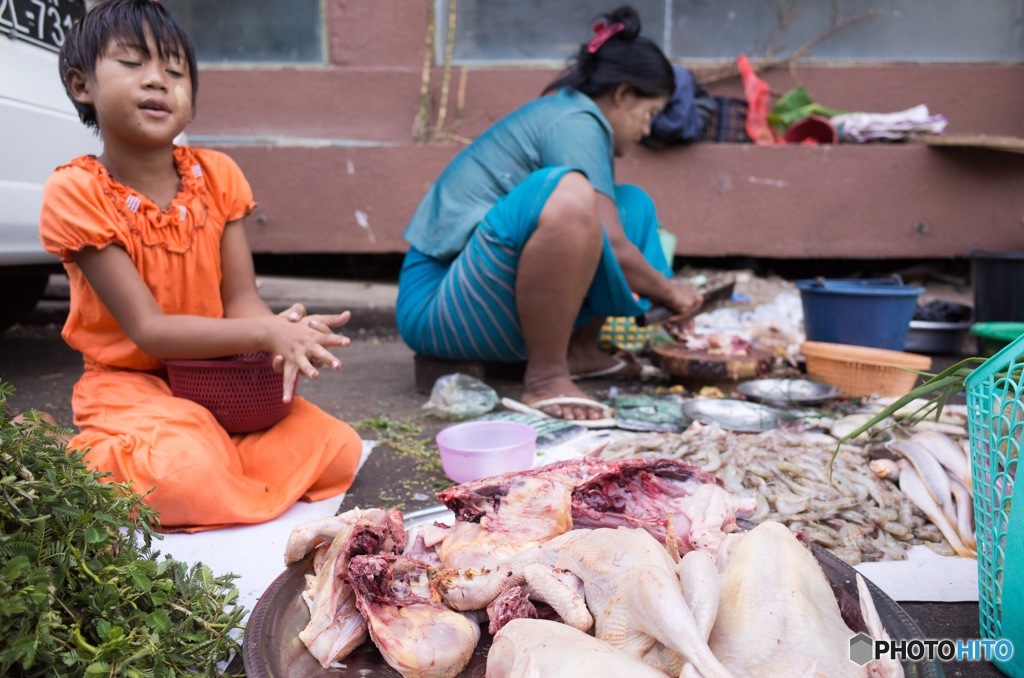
x=338 y=164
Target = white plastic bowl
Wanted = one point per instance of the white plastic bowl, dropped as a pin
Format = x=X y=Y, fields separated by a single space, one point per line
x=480 y=449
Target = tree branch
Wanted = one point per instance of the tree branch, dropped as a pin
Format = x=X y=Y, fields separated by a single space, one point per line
x=767 y=62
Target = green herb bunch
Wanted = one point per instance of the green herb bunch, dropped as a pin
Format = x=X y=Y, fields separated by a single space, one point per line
x=81 y=591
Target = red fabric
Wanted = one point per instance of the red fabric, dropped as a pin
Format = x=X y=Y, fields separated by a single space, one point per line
x=758 y=96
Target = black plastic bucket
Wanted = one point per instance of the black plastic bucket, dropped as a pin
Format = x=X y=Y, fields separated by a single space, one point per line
x=998 y=279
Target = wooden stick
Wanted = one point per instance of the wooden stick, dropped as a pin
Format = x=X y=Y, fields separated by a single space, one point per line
x=449 y=51
x=419 y=125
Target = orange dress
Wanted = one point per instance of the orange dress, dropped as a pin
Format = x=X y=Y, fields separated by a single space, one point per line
x=196 y=474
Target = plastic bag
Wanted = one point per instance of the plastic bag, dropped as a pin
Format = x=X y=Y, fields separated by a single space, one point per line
x=460 y=396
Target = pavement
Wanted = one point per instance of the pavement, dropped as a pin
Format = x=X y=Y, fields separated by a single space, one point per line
x=372 y=303
x=377 y=374
x=375 y=390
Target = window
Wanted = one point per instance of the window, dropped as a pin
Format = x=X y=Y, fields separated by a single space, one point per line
x=719 y=30
x=252 y=31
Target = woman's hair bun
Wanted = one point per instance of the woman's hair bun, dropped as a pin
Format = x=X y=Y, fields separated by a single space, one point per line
x=628 y=17
x=617 y=54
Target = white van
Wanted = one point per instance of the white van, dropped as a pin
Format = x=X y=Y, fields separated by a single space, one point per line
x=39 y=130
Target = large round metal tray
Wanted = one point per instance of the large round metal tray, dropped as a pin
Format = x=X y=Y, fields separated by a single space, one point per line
x=272 y=649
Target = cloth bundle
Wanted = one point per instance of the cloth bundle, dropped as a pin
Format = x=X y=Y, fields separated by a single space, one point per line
x=862 y=127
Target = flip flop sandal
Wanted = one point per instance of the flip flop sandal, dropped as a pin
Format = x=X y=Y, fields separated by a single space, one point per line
x=621 y=368
x=608 y=421
x=627 y=366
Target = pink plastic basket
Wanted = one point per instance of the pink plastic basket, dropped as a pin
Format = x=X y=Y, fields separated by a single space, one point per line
x=243 y=392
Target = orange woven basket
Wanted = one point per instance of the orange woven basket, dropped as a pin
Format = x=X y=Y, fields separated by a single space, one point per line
x=864 y=371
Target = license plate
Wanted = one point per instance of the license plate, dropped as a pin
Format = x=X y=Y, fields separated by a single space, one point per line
x=43 y=23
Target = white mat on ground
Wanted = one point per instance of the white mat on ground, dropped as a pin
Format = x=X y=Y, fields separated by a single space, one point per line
x=925 y=576
x=253 y=552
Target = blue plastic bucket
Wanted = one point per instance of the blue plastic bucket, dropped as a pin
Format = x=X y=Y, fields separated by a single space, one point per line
x=874 y=312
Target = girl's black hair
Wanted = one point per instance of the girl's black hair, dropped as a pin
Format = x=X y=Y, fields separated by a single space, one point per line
x=626 y=57
x=125 y=22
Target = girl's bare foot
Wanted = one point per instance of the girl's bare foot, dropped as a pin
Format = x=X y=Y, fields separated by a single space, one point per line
x=43 y=417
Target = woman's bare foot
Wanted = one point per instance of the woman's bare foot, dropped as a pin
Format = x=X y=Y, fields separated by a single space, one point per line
x=540 y=390
x=621 y=365
x=587 y=359
x=594 y=360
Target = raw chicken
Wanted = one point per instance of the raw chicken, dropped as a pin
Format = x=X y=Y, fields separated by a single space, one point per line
x=630 y=587
x=335 y=626
x=417 y=636
x=305 y=537
x=535 y=648
x=531 y=510
x=512 y=603
x=701 y=586
x=778 y=615
x=550 y=589
x=474 y=588
x=661 y=496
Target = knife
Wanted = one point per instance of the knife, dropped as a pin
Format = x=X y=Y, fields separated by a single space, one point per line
x=712 y=296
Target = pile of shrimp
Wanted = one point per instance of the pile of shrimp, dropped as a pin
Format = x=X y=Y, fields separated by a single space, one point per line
x=842 y=505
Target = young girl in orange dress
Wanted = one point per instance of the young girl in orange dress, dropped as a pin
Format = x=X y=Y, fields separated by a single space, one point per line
x=152 y=239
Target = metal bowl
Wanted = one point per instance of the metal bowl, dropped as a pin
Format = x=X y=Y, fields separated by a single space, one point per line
x=930 y=337
x=787 y=391
x=735 y=415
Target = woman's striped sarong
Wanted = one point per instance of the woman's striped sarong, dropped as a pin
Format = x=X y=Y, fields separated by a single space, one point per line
x=465 y=309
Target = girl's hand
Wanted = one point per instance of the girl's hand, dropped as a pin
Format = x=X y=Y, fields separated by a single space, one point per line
x=295 y=312
x=300 y=345
x=320 y=322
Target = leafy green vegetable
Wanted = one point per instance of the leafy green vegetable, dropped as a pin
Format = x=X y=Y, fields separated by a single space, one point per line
x=82 y=593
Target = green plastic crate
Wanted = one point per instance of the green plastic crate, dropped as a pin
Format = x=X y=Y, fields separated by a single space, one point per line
x=995 y=404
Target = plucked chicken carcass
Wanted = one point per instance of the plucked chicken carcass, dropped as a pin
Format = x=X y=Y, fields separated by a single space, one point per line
x=531 y=510
x=417 y=635
x=631 y=592
x=778 y=615
x=335 y=626
x=536 y=648
x=662 y=496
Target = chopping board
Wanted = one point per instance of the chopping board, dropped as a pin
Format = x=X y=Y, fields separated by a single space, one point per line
x=675 y=360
